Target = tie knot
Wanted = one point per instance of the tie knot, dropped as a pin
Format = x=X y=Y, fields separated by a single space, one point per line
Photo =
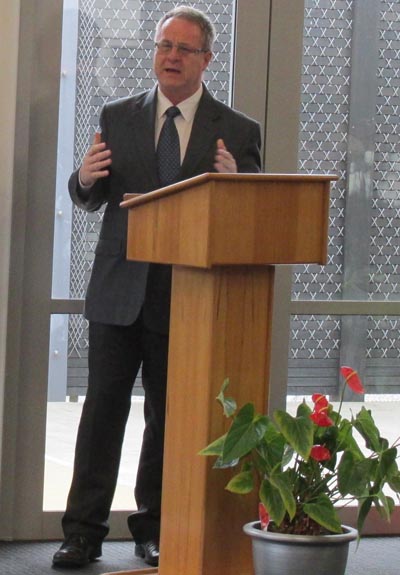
x=172 y=112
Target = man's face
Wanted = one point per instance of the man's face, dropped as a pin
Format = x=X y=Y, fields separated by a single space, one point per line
x=180 y=75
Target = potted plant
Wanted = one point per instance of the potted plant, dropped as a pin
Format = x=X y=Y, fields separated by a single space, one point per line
x=304 y=467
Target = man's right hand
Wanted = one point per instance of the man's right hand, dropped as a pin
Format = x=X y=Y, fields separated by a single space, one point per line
x=95 y=163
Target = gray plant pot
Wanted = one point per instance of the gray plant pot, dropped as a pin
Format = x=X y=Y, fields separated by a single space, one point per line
x=279 y=553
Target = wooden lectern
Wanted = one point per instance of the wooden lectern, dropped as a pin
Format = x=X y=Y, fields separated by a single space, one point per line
x=223 y=233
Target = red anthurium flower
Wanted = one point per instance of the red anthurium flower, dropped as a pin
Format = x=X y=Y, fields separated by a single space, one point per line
x=352 y=379
x=321 y=419
x=320 y=453
x=320 y=402
x=263 y=515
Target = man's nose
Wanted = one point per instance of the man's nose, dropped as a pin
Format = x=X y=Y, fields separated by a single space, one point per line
x=174 y=52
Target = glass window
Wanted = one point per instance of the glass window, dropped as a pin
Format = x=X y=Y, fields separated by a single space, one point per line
x=350 y=127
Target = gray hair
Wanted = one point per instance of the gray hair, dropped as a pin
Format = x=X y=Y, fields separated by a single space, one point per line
x=196 y=17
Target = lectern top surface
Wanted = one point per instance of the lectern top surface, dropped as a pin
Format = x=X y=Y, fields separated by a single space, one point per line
x=131 y=200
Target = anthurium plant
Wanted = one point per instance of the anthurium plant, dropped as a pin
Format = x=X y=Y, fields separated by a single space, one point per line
x=308 y=465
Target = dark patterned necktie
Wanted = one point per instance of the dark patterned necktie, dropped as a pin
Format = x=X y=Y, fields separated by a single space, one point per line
x=168 y=149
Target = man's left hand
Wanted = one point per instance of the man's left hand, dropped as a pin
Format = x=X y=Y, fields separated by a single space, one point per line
x=224 y=161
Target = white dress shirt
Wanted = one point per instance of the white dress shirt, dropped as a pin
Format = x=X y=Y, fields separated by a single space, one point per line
x=183 y=122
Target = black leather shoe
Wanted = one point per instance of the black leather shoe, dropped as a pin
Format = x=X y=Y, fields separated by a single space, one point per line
x=148 y=551
x=76 y=551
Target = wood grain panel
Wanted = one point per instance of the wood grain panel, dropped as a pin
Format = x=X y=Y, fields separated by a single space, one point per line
x=219 y=329
x=218 y=219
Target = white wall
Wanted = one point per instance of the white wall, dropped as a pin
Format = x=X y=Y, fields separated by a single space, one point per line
x=9 y=31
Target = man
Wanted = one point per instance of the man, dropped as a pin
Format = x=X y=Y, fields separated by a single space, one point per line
x=127 y=303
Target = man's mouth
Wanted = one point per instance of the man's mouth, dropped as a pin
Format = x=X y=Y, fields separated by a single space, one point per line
x=172 y=71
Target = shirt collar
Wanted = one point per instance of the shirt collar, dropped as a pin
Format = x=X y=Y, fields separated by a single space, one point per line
x=187 y=107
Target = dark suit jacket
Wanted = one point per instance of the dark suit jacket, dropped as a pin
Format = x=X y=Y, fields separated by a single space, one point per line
x=117 y=287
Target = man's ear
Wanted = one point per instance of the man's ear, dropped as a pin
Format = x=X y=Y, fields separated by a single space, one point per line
x=207 y=59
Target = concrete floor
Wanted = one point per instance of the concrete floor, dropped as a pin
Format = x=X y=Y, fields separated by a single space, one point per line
x=62 y=424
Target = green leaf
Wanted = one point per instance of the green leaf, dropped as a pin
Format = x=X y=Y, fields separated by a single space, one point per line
x=220 y=464
x=242 y=483
x=287 y=455
x=246 y=431
x=247 y=466
x=365 y=425
x=394 y=482
x=329 y=437
x=303 y=410
x=384 y=444
x=270 y=496
x=387 y=464
x=214 y=448
x=353 y=475
x=228 y=403
x=387 y=505
x=363 y=510
x=298 y=432
x=324 y=513
x=346 y=439
x=272 y=447
x=282 y=482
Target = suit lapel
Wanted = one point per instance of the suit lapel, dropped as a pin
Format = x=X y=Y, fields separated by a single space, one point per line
x=143 y=128
x=203 y=137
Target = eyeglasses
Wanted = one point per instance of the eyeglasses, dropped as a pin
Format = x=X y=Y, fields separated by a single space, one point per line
x=165 y=47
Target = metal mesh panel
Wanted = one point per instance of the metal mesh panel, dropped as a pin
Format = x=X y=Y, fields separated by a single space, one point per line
x=315 y=337
x=323 y=131
x=325 y=112
x=383 y=338
x=77 y=355
x=384 y=270
x=314 y=354
x=382 y=355
x=323 y=143
x=315 y=350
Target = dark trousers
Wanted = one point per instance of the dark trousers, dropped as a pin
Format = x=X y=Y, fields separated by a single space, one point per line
x=115 y=355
